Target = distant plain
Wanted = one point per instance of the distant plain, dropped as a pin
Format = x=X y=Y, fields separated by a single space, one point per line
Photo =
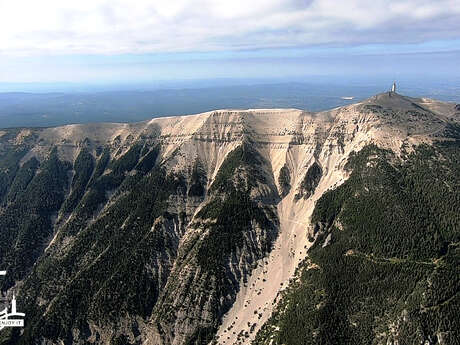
x=42 y=108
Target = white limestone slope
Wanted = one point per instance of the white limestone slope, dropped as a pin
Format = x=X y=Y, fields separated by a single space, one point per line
x=256 y=299
x=344 y=130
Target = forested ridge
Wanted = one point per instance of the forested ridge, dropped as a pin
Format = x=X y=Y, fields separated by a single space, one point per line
x=390 y=273
x=233 y=224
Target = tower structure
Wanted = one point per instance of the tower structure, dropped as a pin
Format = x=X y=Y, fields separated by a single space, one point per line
x=393 y=87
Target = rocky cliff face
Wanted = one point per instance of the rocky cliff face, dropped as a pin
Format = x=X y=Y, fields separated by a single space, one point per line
x=179 y=230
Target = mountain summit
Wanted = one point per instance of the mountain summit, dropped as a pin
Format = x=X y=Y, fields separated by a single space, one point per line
x=262 y=226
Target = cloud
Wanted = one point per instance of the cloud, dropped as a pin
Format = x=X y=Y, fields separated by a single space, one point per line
x=141 y=26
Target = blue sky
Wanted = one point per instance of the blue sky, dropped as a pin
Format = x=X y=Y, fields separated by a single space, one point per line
x=141 y=41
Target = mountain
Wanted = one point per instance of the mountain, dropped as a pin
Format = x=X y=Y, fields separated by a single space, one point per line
x=262 y=226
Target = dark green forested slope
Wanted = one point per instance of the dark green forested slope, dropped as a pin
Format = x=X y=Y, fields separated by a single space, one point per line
x=109 y=270
x=235 y=227
x=234 y=210
x=385 y=265
x=32 y=198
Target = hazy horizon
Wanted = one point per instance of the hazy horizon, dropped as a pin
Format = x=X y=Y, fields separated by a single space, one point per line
x=59 y=104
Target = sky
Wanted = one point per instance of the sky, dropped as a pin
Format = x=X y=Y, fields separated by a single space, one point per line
x=116 y=41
